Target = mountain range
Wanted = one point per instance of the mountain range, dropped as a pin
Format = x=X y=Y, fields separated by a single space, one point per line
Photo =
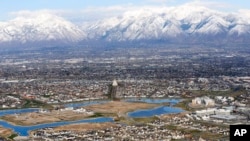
x=181 y=24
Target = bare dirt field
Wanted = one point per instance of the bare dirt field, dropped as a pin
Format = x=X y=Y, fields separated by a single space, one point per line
x=48 y=117
x=5 y=132
x=119 y=107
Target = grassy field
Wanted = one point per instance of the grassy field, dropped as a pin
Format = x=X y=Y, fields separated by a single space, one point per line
x=12 y=136
x=35 y=104
x=145 y=120
x=184 y=105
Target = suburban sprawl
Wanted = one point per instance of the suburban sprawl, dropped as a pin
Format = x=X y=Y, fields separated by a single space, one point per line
x=210 y=88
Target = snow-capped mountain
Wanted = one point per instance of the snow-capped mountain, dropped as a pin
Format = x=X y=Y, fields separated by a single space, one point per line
x=177 y=23
x=39 y=28
x=180 y=24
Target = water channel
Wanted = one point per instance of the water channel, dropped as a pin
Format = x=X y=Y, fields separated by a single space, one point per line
x=24 y=130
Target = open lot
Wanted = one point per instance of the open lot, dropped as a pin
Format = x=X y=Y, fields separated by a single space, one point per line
x=48 y=117
x=119 y=107
x=5 y=132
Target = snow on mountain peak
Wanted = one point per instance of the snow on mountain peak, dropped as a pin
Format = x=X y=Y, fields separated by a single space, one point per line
x=170 y=22
x=182 y=23
x=40 y=27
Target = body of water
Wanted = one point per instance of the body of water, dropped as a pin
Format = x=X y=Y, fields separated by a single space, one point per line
x=23 y=130
x=17 y=111
x=156 y=111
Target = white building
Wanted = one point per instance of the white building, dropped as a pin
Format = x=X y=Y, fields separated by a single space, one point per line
x=203 y=101
x=213 y=111
x=210 y=111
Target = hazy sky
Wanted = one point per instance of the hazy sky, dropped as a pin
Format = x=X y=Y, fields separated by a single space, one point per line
x=13 y=6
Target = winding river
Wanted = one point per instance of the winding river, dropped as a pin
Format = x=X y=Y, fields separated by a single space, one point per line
x=24 y=130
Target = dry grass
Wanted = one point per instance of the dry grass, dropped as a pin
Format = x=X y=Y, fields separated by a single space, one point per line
x=39 y=118
x=5 y=132
x=119 y=107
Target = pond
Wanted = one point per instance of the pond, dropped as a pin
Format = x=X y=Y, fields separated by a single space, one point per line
x=153 y=112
